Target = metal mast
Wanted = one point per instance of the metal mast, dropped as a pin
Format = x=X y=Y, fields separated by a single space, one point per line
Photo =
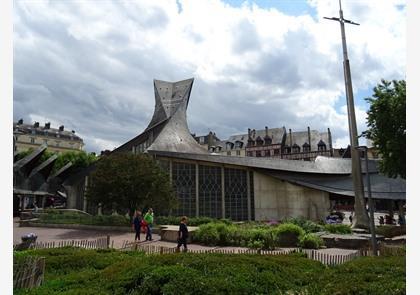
x=361 y=217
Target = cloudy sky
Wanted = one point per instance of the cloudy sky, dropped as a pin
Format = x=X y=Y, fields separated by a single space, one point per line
x=90 y=65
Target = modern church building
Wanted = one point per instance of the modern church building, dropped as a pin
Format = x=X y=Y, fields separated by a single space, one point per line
x=244 y=188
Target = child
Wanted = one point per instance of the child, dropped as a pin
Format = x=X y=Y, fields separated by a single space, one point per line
x=183 y=234
x=136 y=224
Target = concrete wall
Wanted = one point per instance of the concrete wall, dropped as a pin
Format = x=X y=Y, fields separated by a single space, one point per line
x=277 y=199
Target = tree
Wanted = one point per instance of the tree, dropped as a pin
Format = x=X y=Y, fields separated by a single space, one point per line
x=387 y=126
x=79 y=159
x=127 y=181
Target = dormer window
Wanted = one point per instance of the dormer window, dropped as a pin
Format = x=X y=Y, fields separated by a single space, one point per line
x=322 y=146
x=296 y=148
x=286 y=149
x=259 y=141
x=238 y=144
x=251 y=142
x=306 y=147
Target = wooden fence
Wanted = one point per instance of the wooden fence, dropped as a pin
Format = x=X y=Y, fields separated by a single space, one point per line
x=99 y=243
x=29 y=273
x=323 y=257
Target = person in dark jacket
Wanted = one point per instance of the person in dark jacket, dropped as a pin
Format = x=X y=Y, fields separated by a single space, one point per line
x=183 y=234
x=137 y=225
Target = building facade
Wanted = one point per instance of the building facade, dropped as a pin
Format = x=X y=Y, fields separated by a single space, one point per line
x=26 y=136
x=278 y=143
x=208 y=183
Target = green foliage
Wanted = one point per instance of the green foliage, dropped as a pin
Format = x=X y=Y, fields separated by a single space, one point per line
x=126 y=181
x=79 y=159
x=193 y=221
x=387 y=125
x=79 y=271
x=287 y=234
x=23 y=154
x=65 y=217
x=390 y=231
x=338 y=228
x=366 y=275
x=307 y=225
x=255 y=235
x=310 y=241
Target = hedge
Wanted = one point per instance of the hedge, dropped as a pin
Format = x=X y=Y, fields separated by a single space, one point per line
x=62 y=217
x=255 y=236
x=80 y=271
x=310 y=241
x=338 y=228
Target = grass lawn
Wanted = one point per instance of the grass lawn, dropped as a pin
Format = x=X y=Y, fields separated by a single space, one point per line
x=80 y=271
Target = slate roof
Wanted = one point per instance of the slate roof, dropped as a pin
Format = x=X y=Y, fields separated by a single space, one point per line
x=41 y=130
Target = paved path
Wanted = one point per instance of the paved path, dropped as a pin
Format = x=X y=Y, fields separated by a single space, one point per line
x=59 y=234
x=118 y=238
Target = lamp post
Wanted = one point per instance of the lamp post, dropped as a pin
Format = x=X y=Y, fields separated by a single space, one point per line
x=370 y=201
x=361 y=218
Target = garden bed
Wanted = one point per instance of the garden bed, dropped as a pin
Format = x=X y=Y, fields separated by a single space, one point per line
x=79 y=271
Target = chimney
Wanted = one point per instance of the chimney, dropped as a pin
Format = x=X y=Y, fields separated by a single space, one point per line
x=330 y=141
x=309 y=138
x=73 y=131
x=61 y=128
x=210 y=139
x=266 y=131
x=47 y=125
x=253 y=133
x=20 y=122
x=249 y=133
x=290 y=135
x=36 y=124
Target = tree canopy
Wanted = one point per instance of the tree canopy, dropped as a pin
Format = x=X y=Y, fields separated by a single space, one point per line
x=80 y=159
x=127 y=181
x=387 y=125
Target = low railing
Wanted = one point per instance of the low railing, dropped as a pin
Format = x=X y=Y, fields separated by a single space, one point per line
x=99 y=243
x=29 y=273
x=323 y=257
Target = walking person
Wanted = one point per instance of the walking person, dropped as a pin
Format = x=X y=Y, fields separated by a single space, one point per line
x=183 y=234
x=137 y=224
x=149 y=219
x=381 y=220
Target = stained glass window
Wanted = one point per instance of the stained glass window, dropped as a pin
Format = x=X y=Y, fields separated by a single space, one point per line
x=236 y=201
x=183 y=179
x=210 y=191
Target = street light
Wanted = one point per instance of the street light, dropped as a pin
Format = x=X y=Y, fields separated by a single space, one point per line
x=371 y=213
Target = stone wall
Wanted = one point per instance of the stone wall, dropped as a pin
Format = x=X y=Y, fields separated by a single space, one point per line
x=277 y=199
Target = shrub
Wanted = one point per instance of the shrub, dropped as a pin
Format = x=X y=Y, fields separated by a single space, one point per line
x=390 y=231
x=80 y=271
x=256 y=244
x=207 y=234
x=287 y=234
x=310 y=241
x=307 y=225
x=338 y=228
x=193 y=221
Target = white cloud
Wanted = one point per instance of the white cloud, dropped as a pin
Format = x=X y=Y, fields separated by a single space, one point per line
x=91 y=64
